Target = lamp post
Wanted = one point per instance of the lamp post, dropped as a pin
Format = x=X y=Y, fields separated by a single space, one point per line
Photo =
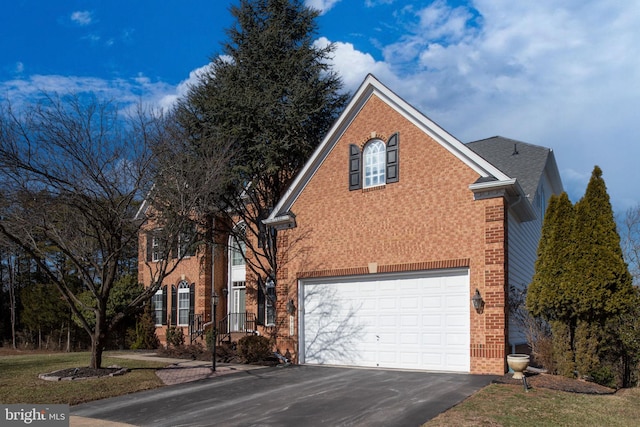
x=214 y=306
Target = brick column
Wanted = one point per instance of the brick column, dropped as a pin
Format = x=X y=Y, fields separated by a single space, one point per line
x=488 y=348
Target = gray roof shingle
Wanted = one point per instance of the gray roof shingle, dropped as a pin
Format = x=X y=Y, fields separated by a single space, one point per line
x=520 y=160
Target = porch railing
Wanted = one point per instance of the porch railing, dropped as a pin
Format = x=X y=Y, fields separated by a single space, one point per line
x=241 y=323
x=196 y=326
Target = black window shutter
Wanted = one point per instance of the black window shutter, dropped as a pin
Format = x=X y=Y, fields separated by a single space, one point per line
x=174 y=305
x=164 y=305
x=392 y=159
x=149 y=246
x=355 y=174
x=261 y=301
x=192 y=299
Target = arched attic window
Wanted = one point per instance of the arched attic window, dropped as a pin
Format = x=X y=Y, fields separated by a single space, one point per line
x=376 y=165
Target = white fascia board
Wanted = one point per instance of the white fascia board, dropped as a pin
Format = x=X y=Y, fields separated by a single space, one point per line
x=511 y=190
x=323 y=150
x=441 y=136
x=144 y=205
x=554 y=175
x=369 y=87
x=282 y=222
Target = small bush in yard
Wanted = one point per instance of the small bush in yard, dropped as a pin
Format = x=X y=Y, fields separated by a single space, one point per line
x=175 y=337
x=254 y=348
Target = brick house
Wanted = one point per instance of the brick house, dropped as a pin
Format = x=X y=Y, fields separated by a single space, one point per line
x=386 y=234
x=398 y=224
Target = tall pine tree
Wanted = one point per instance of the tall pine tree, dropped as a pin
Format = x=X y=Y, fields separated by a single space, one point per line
x=272 y=95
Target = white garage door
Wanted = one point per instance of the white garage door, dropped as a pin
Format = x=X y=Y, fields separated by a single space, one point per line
x=409 y=321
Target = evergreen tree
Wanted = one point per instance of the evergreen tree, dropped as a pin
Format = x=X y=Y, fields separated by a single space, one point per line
x=272 y=96
x=582 y=286
x=600 y=272
x=552 y=292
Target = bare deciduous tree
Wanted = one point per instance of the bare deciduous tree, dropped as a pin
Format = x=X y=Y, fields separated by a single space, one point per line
x=73 y=173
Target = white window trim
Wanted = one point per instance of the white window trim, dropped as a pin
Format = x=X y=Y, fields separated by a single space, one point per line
x=158 y=293
x=369 y=166
x=155 y=249
x=183 y=288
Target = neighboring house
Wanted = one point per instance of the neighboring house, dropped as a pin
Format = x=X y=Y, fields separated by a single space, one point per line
x=385 y=236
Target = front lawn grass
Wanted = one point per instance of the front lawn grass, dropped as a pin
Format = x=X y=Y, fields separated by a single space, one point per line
x=509 y=405
x=19 y=382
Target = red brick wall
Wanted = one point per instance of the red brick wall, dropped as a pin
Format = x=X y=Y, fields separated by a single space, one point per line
x=428 y=219
x=196 y=270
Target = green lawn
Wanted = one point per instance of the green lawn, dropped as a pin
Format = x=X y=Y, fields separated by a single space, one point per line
x=510 y=405
x=19 y=382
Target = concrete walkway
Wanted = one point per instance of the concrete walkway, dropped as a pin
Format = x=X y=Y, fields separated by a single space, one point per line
x=177 y=371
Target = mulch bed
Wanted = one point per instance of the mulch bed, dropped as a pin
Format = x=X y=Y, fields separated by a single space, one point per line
x=83 y=373
x=556 y=382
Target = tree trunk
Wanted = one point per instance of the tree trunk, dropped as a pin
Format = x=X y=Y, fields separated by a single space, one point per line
x=12 y=301
x=98 y=341
x=96 y=352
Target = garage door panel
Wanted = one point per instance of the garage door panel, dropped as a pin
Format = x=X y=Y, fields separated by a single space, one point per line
x=417 y=322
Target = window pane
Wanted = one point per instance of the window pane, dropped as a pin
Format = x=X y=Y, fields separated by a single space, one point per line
x=183 y=307
x=157 y=307
x=270 y=305
x=374 y=164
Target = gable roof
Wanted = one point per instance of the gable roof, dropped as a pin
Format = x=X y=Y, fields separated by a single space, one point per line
x=520 y=160
x=491 y=179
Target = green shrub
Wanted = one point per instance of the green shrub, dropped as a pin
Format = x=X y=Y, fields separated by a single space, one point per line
x=145 y=332
x=175 y=337
x=254 y=348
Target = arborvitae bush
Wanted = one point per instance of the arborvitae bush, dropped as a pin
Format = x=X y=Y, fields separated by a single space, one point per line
x=563 y=363
x=145 y=333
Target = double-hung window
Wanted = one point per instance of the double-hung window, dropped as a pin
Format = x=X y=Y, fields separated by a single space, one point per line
x=183 y=303
x=158 y=307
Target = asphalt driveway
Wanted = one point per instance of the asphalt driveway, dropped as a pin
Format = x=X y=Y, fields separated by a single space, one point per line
x=293 y=396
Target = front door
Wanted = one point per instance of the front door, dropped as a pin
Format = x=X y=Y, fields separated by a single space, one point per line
x=238 y=304
x=237 y=289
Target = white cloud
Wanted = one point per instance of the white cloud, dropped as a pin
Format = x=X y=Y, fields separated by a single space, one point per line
x=322 y=5
x=559 y=74
x=127 y=92
x=169 y=99
x=19 y=67
x=82 y=17
x=374 y=3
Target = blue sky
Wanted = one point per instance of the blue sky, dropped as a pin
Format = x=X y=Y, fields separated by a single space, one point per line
x=559 y=73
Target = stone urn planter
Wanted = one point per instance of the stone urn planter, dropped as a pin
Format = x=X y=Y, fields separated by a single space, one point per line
x=518 y=363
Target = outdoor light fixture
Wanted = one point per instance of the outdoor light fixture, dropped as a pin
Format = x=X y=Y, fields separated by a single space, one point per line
x=291 y=308
x=477 y=301
x=214 y=305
